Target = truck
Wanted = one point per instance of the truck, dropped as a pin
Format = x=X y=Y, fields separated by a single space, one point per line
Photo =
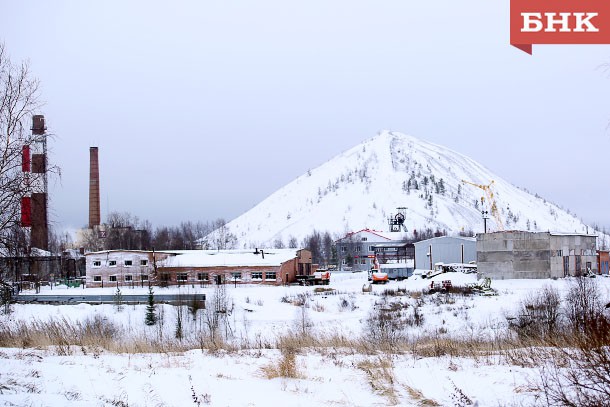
x=319 y=277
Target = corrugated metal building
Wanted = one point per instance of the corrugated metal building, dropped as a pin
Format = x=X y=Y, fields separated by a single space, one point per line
x=445 y=249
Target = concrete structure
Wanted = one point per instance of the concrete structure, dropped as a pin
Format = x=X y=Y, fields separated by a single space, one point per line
x=356 y=250
x=519 y=254
x=94 y=189
x=445 y=249
x=603 y=262
x=137 y=267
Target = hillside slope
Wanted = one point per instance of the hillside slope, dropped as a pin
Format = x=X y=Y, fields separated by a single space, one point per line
x=363 y=186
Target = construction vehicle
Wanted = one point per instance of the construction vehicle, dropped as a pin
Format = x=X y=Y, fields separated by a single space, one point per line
x=483 y=287
x=319 y=277
x=438 y=286
x=378 y=277
x=490 y=201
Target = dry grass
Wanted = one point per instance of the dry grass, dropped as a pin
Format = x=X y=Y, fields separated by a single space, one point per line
x=286 y=366
x=419 y=398
x=380 y=375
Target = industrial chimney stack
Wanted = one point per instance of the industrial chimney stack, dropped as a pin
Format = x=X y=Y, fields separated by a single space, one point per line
x=94 y=189
x=34 y=204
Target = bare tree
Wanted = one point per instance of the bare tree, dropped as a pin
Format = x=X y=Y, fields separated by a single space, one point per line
x=220 y=238
x=19 y=100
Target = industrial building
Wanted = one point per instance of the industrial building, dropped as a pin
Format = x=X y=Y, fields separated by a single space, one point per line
x=356 y=250
x=444 y=249
x=196 y=267
x=603 y=262
x=520 y=254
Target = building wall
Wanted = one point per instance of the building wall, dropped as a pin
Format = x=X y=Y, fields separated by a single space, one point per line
x=445 y=249
x=101 y=272
x=209 y=275
x=603 y=262
x=519 y=254
x=359 y=248
x=577 y=252
x=300 y=265
x=110 y=269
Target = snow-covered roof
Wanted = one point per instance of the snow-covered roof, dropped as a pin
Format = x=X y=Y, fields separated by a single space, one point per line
x=393 y=236
x=34 y=252
x=233 y=258
x=435 y=239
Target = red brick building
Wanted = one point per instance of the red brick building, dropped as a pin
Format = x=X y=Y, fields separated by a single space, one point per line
x=132 y=267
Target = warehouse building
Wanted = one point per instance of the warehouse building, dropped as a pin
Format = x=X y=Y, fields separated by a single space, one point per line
x=196 y=267
x=444 y=249
x=520 y=254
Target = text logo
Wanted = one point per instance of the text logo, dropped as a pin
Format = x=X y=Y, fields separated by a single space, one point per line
x=559 y=22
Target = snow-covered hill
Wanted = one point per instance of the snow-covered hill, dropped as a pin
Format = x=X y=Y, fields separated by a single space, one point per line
x=362 y=187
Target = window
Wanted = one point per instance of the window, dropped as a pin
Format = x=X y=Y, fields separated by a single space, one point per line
x=344 y=262
x=559 y=253
x=165 y=277
x=113 y=278
x=363 y=261
x=236 y=275
x=257 y=276
x=128 y=263
x=97 y=263
x=128 y=277
x=358 y=249
x=97 y=278
x=144 y=277
x=270 y=275
x=371 y=248
x=143 y=262
x=112 y=263
x=364 y=239
x=182 y=277
x=203 y=277
x=343 y=249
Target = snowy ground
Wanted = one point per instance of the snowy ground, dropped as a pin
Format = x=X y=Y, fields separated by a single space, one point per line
x=329 y=376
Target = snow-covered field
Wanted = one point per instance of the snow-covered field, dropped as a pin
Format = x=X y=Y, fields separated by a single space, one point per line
x=260 y=316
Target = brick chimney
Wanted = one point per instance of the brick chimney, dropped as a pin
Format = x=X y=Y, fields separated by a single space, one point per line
x=94 y=189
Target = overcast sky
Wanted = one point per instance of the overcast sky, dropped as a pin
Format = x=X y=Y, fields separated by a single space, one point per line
x=201 y=109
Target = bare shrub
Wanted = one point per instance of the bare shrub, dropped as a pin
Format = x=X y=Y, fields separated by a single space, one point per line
x=576 y=375
x=538 y=316
x=303 y=322
x=216 y=318
x=386 y=323
x=347 y=303
x=459 y=397
x=584 y=308
x=318 y=307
